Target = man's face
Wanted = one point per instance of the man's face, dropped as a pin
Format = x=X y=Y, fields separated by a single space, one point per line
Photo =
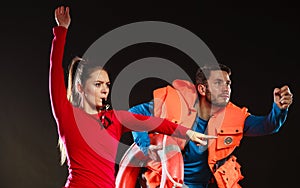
x=218 y=90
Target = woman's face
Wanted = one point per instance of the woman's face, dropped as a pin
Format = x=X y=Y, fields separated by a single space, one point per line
x=95 y=89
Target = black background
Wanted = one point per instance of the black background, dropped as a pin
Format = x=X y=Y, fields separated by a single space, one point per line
x=259 y=41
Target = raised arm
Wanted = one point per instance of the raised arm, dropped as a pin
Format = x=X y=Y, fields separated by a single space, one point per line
x=57 y=86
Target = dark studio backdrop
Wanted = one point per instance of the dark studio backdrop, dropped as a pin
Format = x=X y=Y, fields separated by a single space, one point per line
x=259 y=41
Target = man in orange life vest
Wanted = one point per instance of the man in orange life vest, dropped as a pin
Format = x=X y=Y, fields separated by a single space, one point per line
x=214 y=114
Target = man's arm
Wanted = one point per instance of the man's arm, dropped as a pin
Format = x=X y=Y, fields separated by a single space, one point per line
x=144 y=109
x=141 y=138
x=262 y=125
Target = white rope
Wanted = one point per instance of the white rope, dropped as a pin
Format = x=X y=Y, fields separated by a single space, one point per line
x=162 y=154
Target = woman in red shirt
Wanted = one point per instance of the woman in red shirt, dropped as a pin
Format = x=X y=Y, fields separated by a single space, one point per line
x=88 y=132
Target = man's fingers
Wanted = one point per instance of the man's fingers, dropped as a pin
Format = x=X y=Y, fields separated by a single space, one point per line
x=283 y=97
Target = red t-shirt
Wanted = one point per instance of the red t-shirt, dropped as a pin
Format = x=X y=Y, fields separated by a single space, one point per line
x=92 y=148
